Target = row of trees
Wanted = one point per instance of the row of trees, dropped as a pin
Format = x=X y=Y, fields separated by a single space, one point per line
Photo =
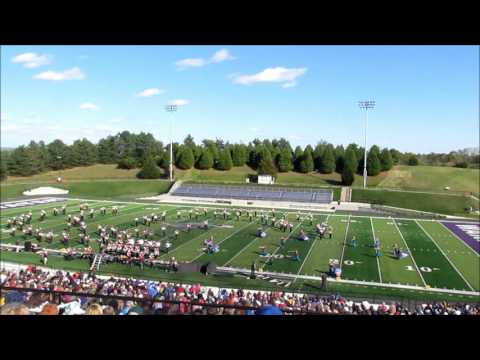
x=130 y=151
x=39 y=157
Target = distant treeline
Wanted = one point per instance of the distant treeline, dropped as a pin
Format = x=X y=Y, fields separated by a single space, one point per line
x=130 y=150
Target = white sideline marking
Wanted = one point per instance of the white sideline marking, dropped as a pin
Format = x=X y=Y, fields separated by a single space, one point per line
x=188 y=242
x=411 y=254
x=228 y=237
x=244 y=248
x=345 y=240
x=358 y=282
x=378 y=261
x=459 y=273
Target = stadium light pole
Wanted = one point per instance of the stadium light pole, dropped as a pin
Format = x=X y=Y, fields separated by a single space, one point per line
x=60 y=172
x=171 y=109
x=366 y=105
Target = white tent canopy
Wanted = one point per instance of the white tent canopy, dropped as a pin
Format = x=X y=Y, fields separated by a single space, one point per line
x=45 y=191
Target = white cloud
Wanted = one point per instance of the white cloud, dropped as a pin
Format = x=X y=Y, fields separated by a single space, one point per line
x=289 y=85
x=89 y=106
x=71 y=74
x=221 y=55
x=276 y=74
x=179 y=102
x=150 y=92
x=255 y=130
x=31 y=60
x=191 y=62
x=217 y=57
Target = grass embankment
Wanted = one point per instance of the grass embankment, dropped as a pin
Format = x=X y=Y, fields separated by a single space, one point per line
x=94 y=189
x=432 y=178
x=437 y=203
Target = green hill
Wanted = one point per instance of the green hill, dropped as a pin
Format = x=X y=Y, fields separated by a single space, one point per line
x=432 y=178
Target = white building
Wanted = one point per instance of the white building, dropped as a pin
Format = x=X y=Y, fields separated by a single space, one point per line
x=266 y=179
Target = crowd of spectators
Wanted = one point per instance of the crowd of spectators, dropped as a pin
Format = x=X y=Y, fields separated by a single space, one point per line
x=191 y=298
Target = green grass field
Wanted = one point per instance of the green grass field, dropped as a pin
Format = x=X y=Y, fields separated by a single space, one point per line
x=438 y=259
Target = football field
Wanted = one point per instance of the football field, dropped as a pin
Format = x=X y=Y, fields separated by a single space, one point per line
x=440 y=255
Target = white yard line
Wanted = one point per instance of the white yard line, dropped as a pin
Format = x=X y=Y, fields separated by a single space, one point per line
x=244 y=248
x=463 y=242
x=439 y=248
x=345 y=241
x=309 y=251
x=288 y=237
x=189 y=241
x=411 y=255
x=378 y=261
x=228 y=237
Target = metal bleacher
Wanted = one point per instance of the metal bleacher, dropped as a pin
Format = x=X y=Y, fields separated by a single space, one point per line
x=322 y=196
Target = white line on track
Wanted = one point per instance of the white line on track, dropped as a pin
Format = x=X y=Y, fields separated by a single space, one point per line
x=459 y=273
x=228 y=237
x=411 y=254
x=345 y=241
x=189 y=241
x=378 y=261
x=309 y=251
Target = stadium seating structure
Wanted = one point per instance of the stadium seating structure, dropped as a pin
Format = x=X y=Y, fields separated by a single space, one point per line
x=321 y=196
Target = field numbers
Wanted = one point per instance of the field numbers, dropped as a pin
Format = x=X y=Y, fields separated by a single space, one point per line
x=425 y=269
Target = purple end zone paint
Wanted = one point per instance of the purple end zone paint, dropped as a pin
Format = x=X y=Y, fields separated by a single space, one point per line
x=469 y=232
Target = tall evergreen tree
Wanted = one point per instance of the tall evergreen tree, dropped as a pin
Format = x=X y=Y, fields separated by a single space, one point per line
x=396 y=156
x=239 y=156
x=373 y=164
x=328 y=160
x=58 y=155
x=149 y=170
x=386 y=160
x=297 y=158
x=21 y=162
x=206 y=160
x=339 y=159
x=348 y=176
x=306 y=164
x=266 y=165
x=214 y=151
x=185 y=159
x=284 y=160
x=375 y=149
x=351 y=159
x=225 y=160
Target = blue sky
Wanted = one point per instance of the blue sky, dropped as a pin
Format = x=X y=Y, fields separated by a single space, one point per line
x=427 y=96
